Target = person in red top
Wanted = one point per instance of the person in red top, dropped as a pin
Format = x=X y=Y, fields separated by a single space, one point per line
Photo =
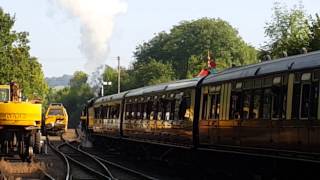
x=203 y=72
x=211 y=69
x=212 y=64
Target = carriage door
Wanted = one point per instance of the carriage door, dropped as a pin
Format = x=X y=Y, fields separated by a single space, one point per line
x=308 y=97
x=306 y=91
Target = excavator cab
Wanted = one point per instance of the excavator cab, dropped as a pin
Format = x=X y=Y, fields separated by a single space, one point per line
x=4 y=93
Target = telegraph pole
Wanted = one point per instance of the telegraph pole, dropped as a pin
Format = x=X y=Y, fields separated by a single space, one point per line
x=118 y=74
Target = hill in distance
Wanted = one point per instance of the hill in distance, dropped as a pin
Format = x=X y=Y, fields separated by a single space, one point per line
x=61 y=81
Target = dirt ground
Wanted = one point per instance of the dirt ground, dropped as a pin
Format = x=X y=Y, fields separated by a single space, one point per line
x=16 y=170
x=70 y=135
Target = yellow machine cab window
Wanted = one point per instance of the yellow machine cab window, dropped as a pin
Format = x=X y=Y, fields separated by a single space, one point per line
x=4 y=93
x=55 y=112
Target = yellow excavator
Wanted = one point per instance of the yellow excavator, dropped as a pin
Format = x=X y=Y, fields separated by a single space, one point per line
x=20 y=123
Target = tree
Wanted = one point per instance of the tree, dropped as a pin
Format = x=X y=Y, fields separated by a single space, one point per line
x=193 y=39
x=79 y=78
x=315 y=34
x=288 y=30
x=74 y=97
x=152 y=72
x=111 y=75
x=16 y=64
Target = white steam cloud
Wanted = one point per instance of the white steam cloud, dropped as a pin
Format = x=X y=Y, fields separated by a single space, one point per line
x=97 y=20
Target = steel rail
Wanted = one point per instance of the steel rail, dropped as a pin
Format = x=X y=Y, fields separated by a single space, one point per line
x=254 y=154
x=63 y=157
x=46 y=175
x=273 y=153
x=109 y=176
x=126 y=169
x=116 y=164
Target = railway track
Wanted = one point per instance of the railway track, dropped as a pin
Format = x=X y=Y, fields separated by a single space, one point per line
x=76 y=165
x=118 y=171
x=80 y=164
x=93 y=167
x=267 y=153
x=63 y=165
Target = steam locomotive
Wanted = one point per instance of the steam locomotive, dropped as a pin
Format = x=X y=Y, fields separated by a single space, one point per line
x=270 y=105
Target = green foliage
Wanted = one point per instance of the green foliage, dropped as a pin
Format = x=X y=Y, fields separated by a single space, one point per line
x=79 y=78
x=16 y=64
x=74 y=97
x=149 y=73
x=152 y=72
x=315 y=33
x=186 y=45
x=288 y=30
x=111 y=75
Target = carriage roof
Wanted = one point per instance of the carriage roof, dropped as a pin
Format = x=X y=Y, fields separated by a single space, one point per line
x=171 y=86
x=291 y=63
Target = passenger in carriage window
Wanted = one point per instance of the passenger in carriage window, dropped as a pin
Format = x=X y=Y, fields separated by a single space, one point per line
x=184 y=109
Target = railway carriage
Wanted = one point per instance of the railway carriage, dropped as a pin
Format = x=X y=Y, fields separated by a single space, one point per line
x=163 y=113
x=273 y=105
x=107 y=115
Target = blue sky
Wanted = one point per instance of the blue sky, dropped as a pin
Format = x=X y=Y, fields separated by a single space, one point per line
x=55 y=36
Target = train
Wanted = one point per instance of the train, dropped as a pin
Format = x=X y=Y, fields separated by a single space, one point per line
x=56 y=118
x=20 y=123
x=270 y=105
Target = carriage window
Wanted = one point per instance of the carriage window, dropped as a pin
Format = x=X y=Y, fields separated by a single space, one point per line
x=214 y=106
x=161 y=110
x=296 y=101
x=144 y=110
x=257 y=83
x=238 y=85
x=139 y=110
x=184 y=108
x=306 y=77
x=256 y=105
x=246 y=105
x=107 y=111
x=129 y=111
x=235 y=104
x=95 y=113
x=316 y=75
x=172 y=109
x=169 y=109
x=267 y=82
x=104 y=112
x=267 y=99
x=314 y=99
x=305 y=96
x=134 y=110
x=305 y=100
x=297 y=77
x=276 y=100
x=114 y=111
x=248 y=84
x=279 y=100
x=277 y=80
x=149 y=109
x=204 y=106
x=118 y=111
x=154 y=113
